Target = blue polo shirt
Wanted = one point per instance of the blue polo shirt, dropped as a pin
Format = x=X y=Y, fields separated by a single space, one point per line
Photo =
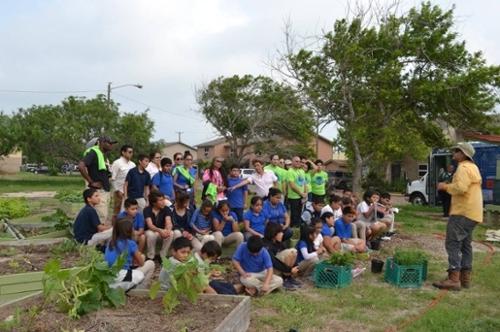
x=257 y=222
x=181 y=180
x=235 y=198
x=303 y=244
x=138 y=219
x=111 y=255
x=228 y=227
x=136 y=183
x=275 y=213
x=252 y=262
x=86 y=223
x=164 y=182
x=342 y=229
x=326 y=231
x=200 y=221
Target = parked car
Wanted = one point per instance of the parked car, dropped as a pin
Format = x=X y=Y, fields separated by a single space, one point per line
x=41 y=169
x=246 y=172
x=339 y=180
x=28 y=167
x=69 y=168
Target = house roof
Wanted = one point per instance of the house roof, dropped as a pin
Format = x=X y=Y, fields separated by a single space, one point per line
x=213 y=142
x=167 y=144
x=483 y=137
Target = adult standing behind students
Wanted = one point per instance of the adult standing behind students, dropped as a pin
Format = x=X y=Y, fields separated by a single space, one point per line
x=119 y=170
x=185 y=175
x=466 y=212
x=94 y=169
x=446 y=176
x=178 y=158
x=154 y=165
x=280 y=172
x=262 y=179
x=137 y=183
x=214 y=181
x=319 y=181
x=297 y=191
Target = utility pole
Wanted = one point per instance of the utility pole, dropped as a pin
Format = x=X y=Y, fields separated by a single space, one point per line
x=108 y=100
x=179 y=133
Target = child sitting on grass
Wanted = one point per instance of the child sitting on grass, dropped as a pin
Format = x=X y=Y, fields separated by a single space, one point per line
x=254 y=264
x=181 y=252
x=254 y=219
x=132 y=211
x=307 y=254
x=120 y=242
x=209 y=253
x=201 y=224
x=283 y=259
x=344 y=231
x=330 y=242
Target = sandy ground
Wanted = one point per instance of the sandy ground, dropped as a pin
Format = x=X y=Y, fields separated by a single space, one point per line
x=30 y=194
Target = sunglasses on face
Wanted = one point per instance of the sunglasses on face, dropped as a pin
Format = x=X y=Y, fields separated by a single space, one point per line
x=178 y=159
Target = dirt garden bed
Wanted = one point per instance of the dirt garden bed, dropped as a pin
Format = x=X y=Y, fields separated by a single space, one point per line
x=209 y=313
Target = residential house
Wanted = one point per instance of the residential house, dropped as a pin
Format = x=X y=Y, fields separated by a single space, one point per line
x=170 y=148
x=11 y=163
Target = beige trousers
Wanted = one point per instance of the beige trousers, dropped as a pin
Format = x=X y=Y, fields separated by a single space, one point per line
x=151 y=239
x=234 y=237
x=100 y=237
x=148 y=269
x=103 y=207
x=256 y=280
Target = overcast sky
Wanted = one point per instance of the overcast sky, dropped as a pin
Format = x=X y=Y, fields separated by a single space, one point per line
x=170 y=47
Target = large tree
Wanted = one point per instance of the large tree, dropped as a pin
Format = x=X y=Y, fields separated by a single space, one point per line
x=8 y=134
x=256 y=111
x=388 y=83
x=53 y=134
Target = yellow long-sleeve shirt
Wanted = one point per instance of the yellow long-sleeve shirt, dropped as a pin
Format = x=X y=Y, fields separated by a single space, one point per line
x=465 y=191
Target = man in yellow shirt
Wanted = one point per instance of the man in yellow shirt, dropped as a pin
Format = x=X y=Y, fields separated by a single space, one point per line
x=465 y=213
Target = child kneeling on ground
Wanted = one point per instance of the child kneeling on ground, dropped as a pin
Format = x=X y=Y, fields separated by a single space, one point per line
x=181 y=252
x=343 y=230
x=253 y=263
x=209 y=253
x=307 y=254
x=121 y=241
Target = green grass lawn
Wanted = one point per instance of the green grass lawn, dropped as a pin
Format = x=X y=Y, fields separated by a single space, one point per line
x=371 y=304
x=39 y=182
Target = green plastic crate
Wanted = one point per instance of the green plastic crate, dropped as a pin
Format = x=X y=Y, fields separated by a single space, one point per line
x=331 y=276
x=405 y=276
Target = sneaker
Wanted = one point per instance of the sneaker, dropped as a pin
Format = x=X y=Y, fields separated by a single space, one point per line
x=288 y=285
x=385 y=238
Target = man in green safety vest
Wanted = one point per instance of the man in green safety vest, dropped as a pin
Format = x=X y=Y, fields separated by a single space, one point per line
x=94 y=169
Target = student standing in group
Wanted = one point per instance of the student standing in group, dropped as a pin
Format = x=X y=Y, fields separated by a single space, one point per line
x=154 y=165
x=158 y=225
x=185 y=176
x=87 y=227
x=297 y=191
x=319 y=181
x=137 y=183
x=122 y=241
x=214 y=181
x=466 y=212
x=280 y=173
x=94 y=170
x=119 y=170
x=236 y=198
x=163 y=180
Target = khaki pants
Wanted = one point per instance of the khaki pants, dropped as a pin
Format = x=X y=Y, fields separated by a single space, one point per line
x=117 y=203
x=256 y=280
x=306 y=267
x=234 y=237
x=100 y=237
x=152 y=238
x=361 y=229
x=141 y=202
x=148 y=268
x=215 y=236
x=103 y=207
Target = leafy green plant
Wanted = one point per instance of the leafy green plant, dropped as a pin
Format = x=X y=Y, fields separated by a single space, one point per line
x=341 y=259
x=84 y=289
x=409 y=257
x=60 y=218
x=13 y=208
x=186 y=279
x=65 y=247
x=70 y=196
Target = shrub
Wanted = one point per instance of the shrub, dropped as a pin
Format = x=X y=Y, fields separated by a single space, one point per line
x=60 y=218
x=12 y=208
x=409 y=257
x=70 y=196
x=341 y=259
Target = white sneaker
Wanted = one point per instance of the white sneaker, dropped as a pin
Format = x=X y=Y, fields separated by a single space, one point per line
x=385 y=238
x=357 y=271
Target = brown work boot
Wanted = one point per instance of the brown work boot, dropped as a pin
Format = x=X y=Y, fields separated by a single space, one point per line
x=465 y=278
x=452 y=283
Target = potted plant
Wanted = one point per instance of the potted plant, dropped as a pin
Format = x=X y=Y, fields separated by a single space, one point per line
x=407 y=268
x=335 y=272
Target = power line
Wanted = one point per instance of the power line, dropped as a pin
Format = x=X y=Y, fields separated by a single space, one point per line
x=155 y=107
x=49 y=92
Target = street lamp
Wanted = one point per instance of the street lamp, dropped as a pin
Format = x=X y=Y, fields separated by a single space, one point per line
x=138 y=86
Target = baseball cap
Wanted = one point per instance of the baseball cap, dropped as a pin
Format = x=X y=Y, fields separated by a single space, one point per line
x=107 y=139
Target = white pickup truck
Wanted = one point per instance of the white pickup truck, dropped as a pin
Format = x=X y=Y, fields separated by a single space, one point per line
x=416 y=191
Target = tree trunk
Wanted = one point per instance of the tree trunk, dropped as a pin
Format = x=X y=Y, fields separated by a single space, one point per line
x=388 y=172
x=358 y=167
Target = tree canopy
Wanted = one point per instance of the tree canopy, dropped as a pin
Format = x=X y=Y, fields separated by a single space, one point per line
x=256 y=111
x=388 y=84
